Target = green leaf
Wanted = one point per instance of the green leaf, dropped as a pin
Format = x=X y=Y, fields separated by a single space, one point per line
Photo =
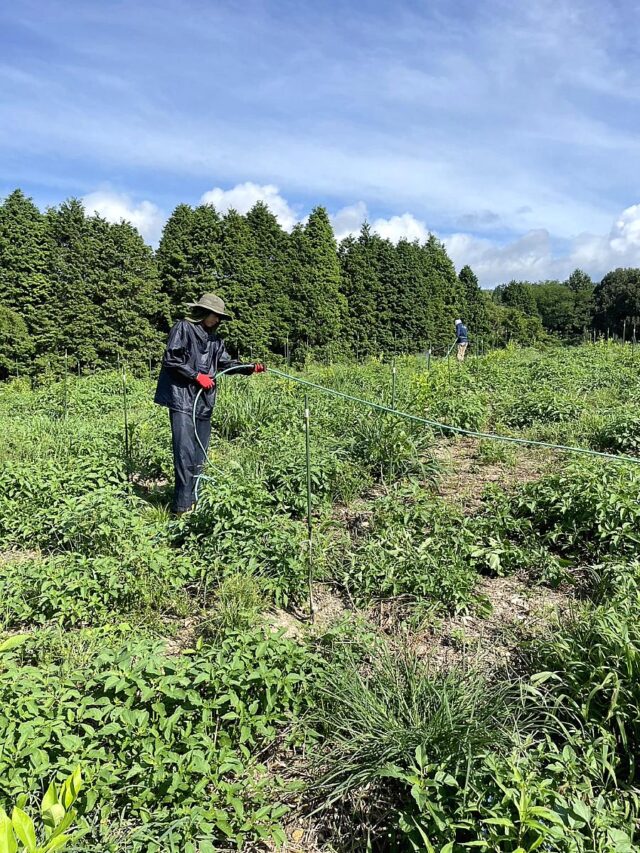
x=71 y=788
x=56 y=843
x=8 y=842
x=53 y=815
x=581 y=810
x=13 y=642
x=23 y=828
x=50 y=798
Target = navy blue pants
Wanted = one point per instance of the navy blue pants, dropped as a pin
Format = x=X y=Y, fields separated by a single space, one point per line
x=188 y=457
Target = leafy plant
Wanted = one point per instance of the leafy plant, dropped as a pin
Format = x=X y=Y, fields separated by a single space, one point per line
x=18 y=833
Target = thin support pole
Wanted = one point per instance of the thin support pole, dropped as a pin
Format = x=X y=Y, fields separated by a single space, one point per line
x=65 y=404
x=429 y=360
x=307 y=444
x=125 y=408
x=393 y=406
x=393 y=385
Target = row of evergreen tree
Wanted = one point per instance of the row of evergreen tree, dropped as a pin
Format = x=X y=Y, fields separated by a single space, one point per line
x=77 y=284
x=575 y=308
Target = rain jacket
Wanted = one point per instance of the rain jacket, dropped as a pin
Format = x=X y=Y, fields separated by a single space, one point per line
x=191 y=349
x=462 y=334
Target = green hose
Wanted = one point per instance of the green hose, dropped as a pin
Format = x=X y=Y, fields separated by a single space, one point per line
x=199 y=477
x=527 y=442
x=459 y=430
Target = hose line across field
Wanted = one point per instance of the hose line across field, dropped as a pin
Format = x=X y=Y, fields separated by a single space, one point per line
x=527 y=442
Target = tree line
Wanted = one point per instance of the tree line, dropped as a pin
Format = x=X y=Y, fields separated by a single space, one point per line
x=573 y=309
x=75 y=284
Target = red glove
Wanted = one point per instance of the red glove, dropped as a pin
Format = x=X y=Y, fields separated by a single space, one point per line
x=205 y=381
x=259 y=368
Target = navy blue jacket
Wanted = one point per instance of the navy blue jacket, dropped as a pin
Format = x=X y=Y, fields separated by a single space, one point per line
x=461 y=332
x=191 y=349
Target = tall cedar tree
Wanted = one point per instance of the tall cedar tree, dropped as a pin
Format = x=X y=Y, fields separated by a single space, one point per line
x=128 y=296
x=361 y=288
x=175 y=260
x=74 y=268
x=242 y=288
x=474 y=311
x=25 y=282
x=317 y=298
x=269 y=246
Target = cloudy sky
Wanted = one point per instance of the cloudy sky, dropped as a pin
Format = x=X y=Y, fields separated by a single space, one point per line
x=511 y=130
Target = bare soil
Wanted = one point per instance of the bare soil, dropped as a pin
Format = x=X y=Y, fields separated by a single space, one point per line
x=7 y=557
x=466 y=475
x=489 y=641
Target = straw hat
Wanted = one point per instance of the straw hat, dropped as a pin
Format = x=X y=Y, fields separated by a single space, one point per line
x=213 y=303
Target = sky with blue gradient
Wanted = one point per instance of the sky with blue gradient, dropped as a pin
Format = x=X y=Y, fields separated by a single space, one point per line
x=509 y=129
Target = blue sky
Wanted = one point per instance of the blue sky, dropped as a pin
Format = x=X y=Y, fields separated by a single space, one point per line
x=511 y=130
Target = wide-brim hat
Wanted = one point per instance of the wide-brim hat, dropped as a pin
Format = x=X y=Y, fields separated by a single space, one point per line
x=213 y=303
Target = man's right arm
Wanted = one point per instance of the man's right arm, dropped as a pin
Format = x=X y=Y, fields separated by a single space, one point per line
x=176 y=355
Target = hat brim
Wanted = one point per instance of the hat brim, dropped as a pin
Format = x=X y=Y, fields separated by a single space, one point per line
x=210 y=310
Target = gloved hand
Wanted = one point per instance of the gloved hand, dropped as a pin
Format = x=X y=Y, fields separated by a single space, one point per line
x=205 y=381
x=259 y=368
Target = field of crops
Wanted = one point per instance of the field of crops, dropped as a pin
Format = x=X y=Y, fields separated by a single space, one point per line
x=471 y=679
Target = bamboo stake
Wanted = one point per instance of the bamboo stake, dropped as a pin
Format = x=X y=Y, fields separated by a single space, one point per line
x=307 y=417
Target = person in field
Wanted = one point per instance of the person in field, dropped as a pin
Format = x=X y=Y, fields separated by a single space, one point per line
x=195 y=353
x=462 y=339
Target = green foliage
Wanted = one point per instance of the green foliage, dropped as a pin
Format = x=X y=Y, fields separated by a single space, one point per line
x=237 y=604
x=169 y=742
x=414 y=548
x=590 y=509
x=388 y=446
x=541 y=405
x=179 y=750
x=74 y=589
x=617 y=299
x=592 y=666
x=18 y=833
x=620 y=433
x=235 y=528
x=375 y=713
x=15 y=343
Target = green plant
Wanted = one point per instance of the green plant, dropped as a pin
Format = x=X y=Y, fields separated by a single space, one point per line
x=18 y=833
x=620 y=433
x=387 y=446
x=415 y=547
x=236 y=605
x=235 y=529
x=176 y=743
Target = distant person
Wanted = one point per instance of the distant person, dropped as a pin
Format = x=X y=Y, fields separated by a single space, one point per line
x=462 y=339
x=194 y=354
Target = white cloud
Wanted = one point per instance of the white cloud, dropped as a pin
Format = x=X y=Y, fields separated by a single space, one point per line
x=348 y=220
x=405 y=227
x=243 y=197
x=114 y=207
x=532 y=256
